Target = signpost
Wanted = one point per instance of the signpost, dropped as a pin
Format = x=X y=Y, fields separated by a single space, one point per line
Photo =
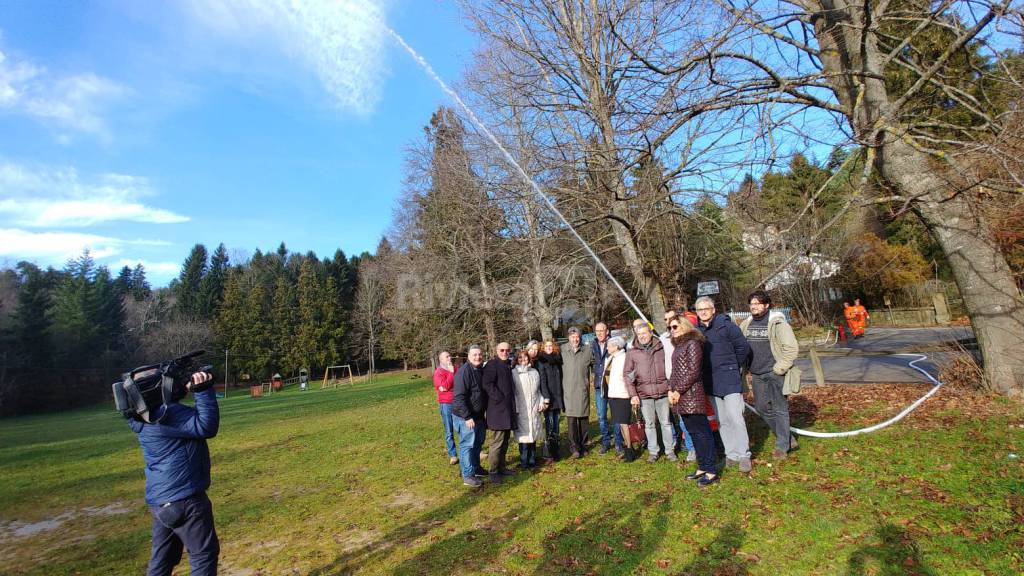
x=707 y=288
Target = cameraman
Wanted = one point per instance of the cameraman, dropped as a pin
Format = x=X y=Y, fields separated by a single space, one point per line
x=177 y=476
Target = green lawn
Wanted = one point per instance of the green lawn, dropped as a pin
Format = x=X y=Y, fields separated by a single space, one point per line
x=356 y=480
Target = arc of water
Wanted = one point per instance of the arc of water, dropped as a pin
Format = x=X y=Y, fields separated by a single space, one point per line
x=547 y=200
x=513 y=163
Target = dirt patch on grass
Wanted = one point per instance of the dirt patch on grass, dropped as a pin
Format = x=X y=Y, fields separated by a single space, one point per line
x=406 y=500
x=18 y=529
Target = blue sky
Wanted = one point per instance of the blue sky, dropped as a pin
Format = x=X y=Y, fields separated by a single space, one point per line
x=138 y=129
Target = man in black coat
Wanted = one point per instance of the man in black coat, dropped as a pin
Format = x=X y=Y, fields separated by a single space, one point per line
x=469 y=401
x=501 y=409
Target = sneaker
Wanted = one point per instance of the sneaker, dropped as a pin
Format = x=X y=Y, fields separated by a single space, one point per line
x=745 y=466
x=652 y=458
x=453 y=460
x=576 y=455
x=671 y=456
x=496 y=479
x=730 y=462
x=472 y=482
x=778 y=454
x=480 y=472
x=695 y=475
x=620 y=452
x=706 y=480
x=603 y=449
x=691 y=456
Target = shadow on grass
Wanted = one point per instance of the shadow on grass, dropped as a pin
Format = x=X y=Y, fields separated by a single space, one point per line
x=719 y=556
x=408 y=534
x=894 y=554
x=803 y=413
x=469 y=550
x=615 y=540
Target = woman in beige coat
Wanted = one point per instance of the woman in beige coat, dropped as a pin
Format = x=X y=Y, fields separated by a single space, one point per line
x=529 y=406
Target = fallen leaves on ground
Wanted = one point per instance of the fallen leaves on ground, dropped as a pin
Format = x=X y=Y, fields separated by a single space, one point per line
x=866 y=404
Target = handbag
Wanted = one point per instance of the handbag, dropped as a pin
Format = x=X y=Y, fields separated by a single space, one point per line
x=637 y=430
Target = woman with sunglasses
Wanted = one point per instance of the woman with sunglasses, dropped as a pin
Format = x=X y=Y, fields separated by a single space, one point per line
x=686 y=396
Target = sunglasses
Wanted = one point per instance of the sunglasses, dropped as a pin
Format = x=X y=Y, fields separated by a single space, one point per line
x=504 y=349
x=675 y=326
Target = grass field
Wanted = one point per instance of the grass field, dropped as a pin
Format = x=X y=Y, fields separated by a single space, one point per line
x=356 y=480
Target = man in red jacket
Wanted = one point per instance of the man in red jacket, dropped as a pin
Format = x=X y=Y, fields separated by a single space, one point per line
x=444 y=379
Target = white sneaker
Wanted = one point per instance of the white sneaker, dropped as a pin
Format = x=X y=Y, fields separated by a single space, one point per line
x=691 y=456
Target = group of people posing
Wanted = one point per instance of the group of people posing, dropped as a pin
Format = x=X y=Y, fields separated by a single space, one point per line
x=692 y=374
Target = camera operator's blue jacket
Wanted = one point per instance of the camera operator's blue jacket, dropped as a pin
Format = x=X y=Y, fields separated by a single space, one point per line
x=177 y=457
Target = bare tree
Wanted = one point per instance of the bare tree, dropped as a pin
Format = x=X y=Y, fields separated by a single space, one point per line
x=606 y=114
x=920 y=86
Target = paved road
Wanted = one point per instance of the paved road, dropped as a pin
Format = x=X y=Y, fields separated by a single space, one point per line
x=881 y=368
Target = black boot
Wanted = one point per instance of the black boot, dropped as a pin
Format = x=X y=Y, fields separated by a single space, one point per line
x=629 y=455
x=553 y=449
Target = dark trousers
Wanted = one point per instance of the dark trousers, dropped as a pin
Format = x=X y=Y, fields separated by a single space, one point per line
x=184 y=524
x=578 y=431
x=527 y=454
x=703 y=442
x=771 y=404
x=497 y=450
x=551 y=417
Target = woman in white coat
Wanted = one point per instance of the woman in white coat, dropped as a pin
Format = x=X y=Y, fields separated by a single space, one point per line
x=529 y=408
x=616 y=391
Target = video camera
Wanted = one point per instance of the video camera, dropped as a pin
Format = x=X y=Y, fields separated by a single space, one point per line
x=145 y=389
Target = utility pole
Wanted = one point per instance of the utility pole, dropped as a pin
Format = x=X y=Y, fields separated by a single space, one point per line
x=226 y=373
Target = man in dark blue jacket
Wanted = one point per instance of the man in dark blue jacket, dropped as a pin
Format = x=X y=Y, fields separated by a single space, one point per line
x=177 y=476
x=469 y=406
x=725 y=352
x=599 y=352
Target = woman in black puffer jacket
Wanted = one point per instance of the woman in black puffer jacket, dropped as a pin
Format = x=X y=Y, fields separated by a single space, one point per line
x=686 y=396
x=549 y=364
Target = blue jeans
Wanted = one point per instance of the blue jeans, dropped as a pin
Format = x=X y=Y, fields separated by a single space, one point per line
x=471 y=440
x=449 y=427
x=677 y=427
x=602 y=420
x=184 y=524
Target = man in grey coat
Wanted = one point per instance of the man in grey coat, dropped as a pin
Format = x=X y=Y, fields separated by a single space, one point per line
x=577 y=363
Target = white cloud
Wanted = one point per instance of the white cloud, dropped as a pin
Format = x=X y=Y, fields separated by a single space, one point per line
x=55 y=247
x=342 y=41
x=72 y=103
x=45 y=197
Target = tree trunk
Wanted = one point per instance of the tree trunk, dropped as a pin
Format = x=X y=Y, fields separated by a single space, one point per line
x=982 y=274
x=648 y=285
x=990 y=295
x=487 y=308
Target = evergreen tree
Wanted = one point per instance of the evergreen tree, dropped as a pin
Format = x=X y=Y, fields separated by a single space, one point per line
x=211 y=289
x=77 y=334
x=140 y=286
x=123 y=283
x=30 y=323
x=188 y=289
x=286 y=353
x=109 y=307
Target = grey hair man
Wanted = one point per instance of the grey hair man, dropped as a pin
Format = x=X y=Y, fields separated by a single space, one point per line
x=577 y=363
x=599 y=354
x=644 y=372
x=725 y=353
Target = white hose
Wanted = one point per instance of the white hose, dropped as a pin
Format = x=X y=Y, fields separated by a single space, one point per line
x=880 y=425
